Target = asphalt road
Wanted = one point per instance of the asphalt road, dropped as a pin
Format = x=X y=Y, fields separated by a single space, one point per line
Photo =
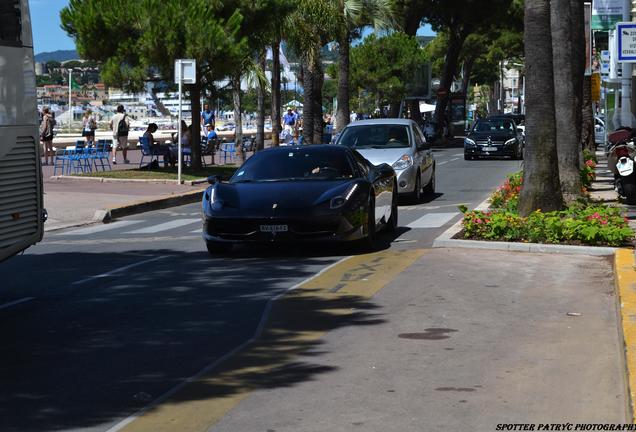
x=97 y=322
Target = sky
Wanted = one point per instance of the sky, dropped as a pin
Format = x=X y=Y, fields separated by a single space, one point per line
x=48 y=36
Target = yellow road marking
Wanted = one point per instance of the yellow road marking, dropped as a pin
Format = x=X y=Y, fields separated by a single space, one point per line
x=337 y=298
x=625 y=271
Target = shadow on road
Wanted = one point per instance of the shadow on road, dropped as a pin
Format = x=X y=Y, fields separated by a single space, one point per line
x=84 y=355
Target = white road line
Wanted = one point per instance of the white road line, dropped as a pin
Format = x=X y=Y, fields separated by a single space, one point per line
x=197 y=231
x=257 y=333
x=432 y=220
x=100 y=228
x=441 y=163
x=118 y=270
x=164 y=226
x=16 y=302
x=459 y=154
x=454 y=159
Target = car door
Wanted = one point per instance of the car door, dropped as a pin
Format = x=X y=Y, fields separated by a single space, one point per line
x=425 y=155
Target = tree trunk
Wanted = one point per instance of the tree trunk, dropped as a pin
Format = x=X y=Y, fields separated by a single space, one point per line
x=587 y=129
x=342 y=113
x=317 y=82
x=541 y=187
x=238 y=119
x=566 y=107
x=578 y=22
x=468 y=68
x=455 y=42
x=260 y=102
x=308 y=106
x=276 y=126
x=195 y=127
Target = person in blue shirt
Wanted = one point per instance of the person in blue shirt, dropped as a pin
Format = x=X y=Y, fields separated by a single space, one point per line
x=289 y=122
x=207 y=117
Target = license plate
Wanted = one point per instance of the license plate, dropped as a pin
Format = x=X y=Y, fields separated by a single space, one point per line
x=489 y=148
x=274 y=228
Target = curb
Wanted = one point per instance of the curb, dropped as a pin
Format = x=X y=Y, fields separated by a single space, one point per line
x=116 y=180
x=625 y=281
x=446 y=240
x=106 y=215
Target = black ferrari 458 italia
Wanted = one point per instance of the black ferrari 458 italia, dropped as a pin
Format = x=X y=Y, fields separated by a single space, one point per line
x=306 y=193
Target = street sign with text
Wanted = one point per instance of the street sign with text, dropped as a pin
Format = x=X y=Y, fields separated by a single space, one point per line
x=626 y=32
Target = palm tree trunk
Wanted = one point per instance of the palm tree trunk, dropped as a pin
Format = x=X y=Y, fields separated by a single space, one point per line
x=587 y=129
x=317 y=82
x=276 y=126
x=342 y=113
x=308 y=106
x=566 y=108
x=238 y=120
x=455 y=42
x=541 y=187
x=260 y=102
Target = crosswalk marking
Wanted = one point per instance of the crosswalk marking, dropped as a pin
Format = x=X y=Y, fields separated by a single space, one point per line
x=432 y=220
x=164 y=226
x=100 y=228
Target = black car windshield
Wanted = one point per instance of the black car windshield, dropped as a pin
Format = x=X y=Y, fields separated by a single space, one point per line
x=377 y=136
x=295 y=164
x=505 y=126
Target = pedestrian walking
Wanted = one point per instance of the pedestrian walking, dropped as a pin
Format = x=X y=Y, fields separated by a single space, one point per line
x=46 y=134
x=89 y=125
x=120 y=125
x=207 y=117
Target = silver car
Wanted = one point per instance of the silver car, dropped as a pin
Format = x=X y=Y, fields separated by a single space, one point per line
x=399 y=143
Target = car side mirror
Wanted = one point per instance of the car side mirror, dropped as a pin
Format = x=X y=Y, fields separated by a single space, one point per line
x=519 y=130
x=214 y=179
x=384 y=170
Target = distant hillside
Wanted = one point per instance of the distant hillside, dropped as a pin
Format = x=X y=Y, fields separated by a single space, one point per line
x=60 y=55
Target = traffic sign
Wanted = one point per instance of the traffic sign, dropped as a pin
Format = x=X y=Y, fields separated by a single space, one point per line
x=626 y=42
x=185 y=70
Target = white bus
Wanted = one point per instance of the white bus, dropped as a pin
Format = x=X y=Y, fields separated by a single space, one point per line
x=21 y=204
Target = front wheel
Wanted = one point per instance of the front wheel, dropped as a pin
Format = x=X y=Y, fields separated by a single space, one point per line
x=369 y=243
x=430 y=187
x=216 y=248
x=392 y=224
x=629 y=191
x=416 y=196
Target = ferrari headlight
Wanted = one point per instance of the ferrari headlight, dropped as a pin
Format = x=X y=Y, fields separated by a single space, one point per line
x=469 y=142
x=404 y=162
x=212 y=195
x=510 y=141
x=340 y=200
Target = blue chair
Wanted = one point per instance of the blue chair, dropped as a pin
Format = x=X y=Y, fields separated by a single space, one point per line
x=62 y=161
x=228 y=149
x=100 y=155
x=148 y=151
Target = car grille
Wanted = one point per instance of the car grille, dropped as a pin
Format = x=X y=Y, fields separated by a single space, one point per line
x=19 y=192
x=492 y=142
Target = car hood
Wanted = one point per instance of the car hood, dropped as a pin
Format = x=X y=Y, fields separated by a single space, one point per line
x=494 y=136
x=387 y=156
x=285 y=194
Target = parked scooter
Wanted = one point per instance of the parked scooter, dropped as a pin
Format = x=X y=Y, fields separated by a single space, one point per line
x=621 y=159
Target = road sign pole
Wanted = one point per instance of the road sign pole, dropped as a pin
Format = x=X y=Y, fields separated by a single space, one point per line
x=180 y=66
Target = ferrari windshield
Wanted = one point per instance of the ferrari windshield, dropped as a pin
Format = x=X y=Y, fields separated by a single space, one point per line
x=505 y=126
x=304 y=163
x=377 y=136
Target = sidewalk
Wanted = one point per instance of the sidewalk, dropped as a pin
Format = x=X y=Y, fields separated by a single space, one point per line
x=72 y=203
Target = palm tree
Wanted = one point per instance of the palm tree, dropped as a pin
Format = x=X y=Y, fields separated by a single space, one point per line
x=308 y=29
x=354 y=14
x=568 y=73
x=541 y=187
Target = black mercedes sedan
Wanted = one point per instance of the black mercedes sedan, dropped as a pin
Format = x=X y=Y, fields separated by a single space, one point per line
x=304 y=193
x=496 y=136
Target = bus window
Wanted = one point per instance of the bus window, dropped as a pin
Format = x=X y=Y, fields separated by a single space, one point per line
x=10 y=22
